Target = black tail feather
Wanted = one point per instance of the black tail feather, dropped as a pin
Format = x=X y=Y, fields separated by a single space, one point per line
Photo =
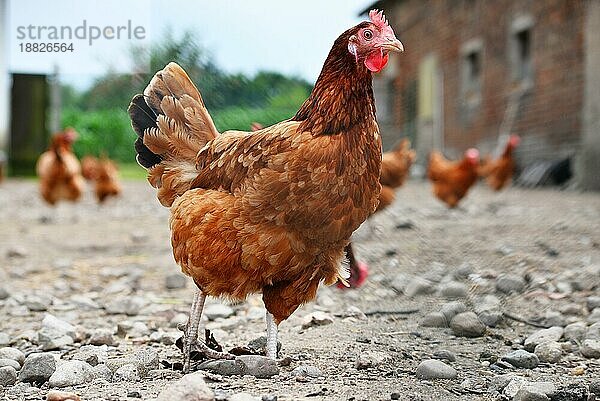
x=142 y=118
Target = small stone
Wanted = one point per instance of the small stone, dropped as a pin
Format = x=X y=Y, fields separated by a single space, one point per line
x=434 y=319
x=12 y=353
x=55 y=395
x=593 y=332
x=178 y=320
x=571 y=392
x=8 y=376
x=57 y=327
x=488 y=308
x=83 y=302
x=92 y=354
x=591 y=349
x=453 y=290
x=257 y=366
x=317 y=318
x=467 y=324
x=146 y=359
x=138 y=330
x=190 y=387
x=371 y=359
x=4 y=294
x=595 y=387
x=102 y=337
x=550 y=352
x=16 y=252
x=101 y=371
x=521 y=359
x=243 y=397
x=451 y=309
x=9 y=362
x=126 y=373
x=175 y=281
x=307 y=371
x=528 y=394
x=355 y=312
x=418 y=286
x=223 y=367
x=542 y=336
x=259 y=345
x=38 y=368
x=134 y=394
x=70 y=373
x=594 y=317
x=575 y=331
x=444 y=355
x=592 y=302
x=4 y=340
x=509 y=283
x=129 y=306
x=434 y=369
x=37 y=303
x=216 y=311
x=115 y=363
x=513 y=386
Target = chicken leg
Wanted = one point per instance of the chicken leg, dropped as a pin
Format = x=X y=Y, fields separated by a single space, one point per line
x=190 y=338
x=271 y=336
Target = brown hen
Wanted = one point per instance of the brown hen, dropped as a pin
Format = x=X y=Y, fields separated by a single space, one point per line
x=499 y=172
x=452 y=179
x=267 y=211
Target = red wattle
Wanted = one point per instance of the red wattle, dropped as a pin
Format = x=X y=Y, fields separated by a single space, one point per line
x=376 y=61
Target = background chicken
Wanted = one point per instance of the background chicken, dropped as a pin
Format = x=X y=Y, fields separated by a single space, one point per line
x=269 y=211
x=59 y=170
x=104 y=173
x=452 y=179
x=395 y=167
x=498 y=172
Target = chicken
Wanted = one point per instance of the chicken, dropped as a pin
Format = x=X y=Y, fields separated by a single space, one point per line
x=104 y=173
x=59 y=170
x=2 y=165
x=395 y=166
x=452 y=179
x=499 y=172
x=268 y=211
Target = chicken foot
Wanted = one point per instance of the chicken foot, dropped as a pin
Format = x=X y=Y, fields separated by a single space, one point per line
x=190 y=339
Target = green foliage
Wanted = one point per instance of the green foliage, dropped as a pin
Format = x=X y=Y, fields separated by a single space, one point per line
x=234 y=100
x=105 y=131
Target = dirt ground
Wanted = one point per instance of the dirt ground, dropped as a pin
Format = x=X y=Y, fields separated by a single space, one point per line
x=122 y=249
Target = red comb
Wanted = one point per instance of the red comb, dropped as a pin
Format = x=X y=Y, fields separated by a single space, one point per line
x=378 y=18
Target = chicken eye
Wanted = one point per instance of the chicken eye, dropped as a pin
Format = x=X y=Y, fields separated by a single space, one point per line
x=368 y=34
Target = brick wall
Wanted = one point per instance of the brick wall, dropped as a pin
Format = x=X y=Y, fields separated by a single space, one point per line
x=549 y=114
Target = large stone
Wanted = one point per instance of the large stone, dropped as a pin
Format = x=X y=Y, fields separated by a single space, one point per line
x=591 y=349
x=435 y=369
x=467 y=324
x=434 y=319
x=542 y=336
x=38 y=367
x=550 y=351
x=575 y=331
x=70 y=373
x=190 y=387
x=146 y=359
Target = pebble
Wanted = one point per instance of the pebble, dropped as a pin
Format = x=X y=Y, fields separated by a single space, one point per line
x=146 y=359
x=593 y=332
x=259 y=345
x=243 y=397
x=527 y=393
x=418 y=286
x=445 y=355
x=467 y=324
x=317 y=318
x=223 y=367
x=130 y=305
x=138 y=329
x=179 y=319
x=8 y=376
x=434 y=319
x=4 y=294
x=4 y=340
x=451 y=309
x=371 y=359
x=12 y=353
x=591 y=302
x=190 y=387
x=542 y=336
x=488 y=308
x=175 y=281
x=510 y=283
x=83 y=302
x=307 y=371
x=594 y=317
x=453 y=290
x=595 y=387
x=521 y=359
x=434 y=369
x=9 y=362
x=216 y=311
x=591 y=349
x=102 y=337
x=575 y=331
x=16 y=252
x=126 y=373
x=55 y=395
x=92 y=354
x=55 y=333
x=101 y=371
x=550 y=351
x=38 y=367
x=257 y=366
x=70 y=373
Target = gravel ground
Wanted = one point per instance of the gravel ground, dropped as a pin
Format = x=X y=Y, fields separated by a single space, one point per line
x=522 y=260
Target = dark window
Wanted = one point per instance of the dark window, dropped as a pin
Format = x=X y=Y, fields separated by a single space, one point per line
x=521 y=54
x=471 y=78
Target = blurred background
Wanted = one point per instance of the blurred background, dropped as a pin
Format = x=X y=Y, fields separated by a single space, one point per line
x=473 y=72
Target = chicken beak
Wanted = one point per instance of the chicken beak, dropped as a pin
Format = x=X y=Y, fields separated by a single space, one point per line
x=394 y=46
